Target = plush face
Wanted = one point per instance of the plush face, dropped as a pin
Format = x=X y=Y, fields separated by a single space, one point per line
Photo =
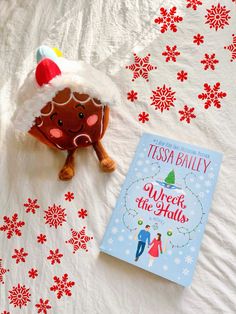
x=71 y=120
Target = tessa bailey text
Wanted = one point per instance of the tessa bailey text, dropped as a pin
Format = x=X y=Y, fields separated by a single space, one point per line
x=181 y=159
x=164 y=204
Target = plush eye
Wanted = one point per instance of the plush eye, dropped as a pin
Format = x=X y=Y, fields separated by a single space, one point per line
x=81 y=115
x=60 y=123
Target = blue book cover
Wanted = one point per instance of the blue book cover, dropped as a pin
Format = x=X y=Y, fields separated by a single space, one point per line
x=161 y=213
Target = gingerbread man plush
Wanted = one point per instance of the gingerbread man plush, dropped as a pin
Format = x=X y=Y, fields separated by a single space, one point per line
x=65 y=105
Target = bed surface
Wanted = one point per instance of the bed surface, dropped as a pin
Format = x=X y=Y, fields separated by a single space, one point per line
x=107 y=34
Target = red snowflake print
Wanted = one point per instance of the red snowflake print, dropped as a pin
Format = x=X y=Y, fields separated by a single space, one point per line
x=217 y=17
x=209 y=61
x=69 y=196
x=198 y=39
x=20 y=255
x=19 y=296
x=193 y=4
x=33 y=273
x=82 y=213
x=171 y=53
x=55 y=216
x=62 y=286
x=141 y=67
x=143 y=117
x=212 y=95
x=168 y=19
x=43 y=306
x=163 y=98
x=182 y=76
x=55 y=256
x=5 y=312
x=132 y=95
x=12 y=226
x=79 y=240
x=41 y=238
x=3 y=271
x=232 y=48
x=187 y=114
x=31 y=206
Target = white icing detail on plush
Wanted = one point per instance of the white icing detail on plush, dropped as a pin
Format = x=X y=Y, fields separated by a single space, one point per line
x=102 y=120
x=62 y=104
x=79 y=76
x=80 y=135
x=39 y=125
x=48 y=114
x=81 y=101
x=96 y=104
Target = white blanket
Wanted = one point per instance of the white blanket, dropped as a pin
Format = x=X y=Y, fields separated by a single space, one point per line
x=106 y=34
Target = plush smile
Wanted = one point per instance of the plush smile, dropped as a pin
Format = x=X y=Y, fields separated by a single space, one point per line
x=76 y=131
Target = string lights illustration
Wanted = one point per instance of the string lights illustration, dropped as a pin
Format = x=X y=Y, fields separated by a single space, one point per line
x=186 y=231
x=133 y=212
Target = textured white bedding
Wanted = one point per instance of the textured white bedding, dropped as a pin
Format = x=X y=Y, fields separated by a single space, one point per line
x=105 y=34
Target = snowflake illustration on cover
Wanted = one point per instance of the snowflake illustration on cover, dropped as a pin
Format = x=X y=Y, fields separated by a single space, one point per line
x=162 y=210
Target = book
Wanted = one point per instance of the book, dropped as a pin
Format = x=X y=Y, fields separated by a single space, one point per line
x=160 y=216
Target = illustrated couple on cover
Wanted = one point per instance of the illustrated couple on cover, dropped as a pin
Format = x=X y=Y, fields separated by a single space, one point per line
x=155 y=246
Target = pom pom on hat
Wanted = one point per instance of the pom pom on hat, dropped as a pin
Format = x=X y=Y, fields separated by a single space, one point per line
x=46 y=52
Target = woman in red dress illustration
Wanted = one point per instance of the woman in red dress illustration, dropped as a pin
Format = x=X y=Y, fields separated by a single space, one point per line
x=155 y=249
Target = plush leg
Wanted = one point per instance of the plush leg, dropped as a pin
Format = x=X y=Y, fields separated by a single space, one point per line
x=107 y=164
x=67 y=172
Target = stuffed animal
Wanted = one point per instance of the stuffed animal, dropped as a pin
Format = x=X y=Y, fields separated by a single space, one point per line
x=65 y=105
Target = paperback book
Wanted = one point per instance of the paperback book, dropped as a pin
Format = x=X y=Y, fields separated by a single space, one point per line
x=160 y=216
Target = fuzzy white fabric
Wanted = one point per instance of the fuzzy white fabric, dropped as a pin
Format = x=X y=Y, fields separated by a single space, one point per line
x=79 y=76
x=105 y=33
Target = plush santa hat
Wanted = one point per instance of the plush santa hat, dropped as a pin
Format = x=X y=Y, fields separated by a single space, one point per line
x=54 y=73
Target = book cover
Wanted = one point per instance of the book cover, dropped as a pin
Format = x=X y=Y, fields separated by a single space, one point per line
x=160 y=216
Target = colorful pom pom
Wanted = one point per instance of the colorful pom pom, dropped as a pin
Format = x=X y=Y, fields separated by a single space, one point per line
x=45 y=52
x=57 y=52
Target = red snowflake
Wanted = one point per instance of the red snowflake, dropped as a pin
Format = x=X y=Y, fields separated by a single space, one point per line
x=182 y=76
x=19 y=255
x=43 y=306
x=55 y=216
x=193 y=4
x=171 y=53
x=132 y=95
x=163 y=98
x=33 y=273
x=168 y=19
x=69 y=196
x=212 y=95
x=232 y=47
x=62 y=286
x=41 y=238
x=5 y=312
x=55 y=257
x=31 y=206
x=12 y=226
x=198 y=39
x=187 y=114
x=209 y=61
x=79 y=240
x=143 y=117
x=217 y=17
x=3 y=271
x=82 y=213
x=19 y=296
x=141 y=67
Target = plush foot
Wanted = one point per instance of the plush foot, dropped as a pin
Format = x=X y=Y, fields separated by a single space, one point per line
x=107 y=164
x=66 y=173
